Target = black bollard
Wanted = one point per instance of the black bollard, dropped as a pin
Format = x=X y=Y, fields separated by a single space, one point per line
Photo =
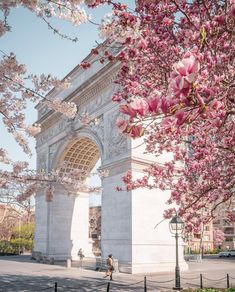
x=55 y=286
x=201 y=284
x=228 y=281
x=108 y=286
x=145 y=284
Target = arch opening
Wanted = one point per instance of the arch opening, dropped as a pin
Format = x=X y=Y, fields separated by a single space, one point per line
x=83 y=155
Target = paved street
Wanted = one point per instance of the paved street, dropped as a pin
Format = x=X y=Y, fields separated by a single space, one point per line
x=19 y=273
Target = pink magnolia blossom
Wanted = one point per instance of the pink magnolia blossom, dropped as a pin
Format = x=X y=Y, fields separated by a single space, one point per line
x=184 y=74
x=153 y=103
x=128 y=109
x=19 y=166
x=187 y=68
x=140 y=106
x=176 y=81
x=232 y=10
x=121 y=124
x=192 y=115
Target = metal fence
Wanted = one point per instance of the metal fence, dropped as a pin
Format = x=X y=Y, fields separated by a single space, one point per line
x=147 y=284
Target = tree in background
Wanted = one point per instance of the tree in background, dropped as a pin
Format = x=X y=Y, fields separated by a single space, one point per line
x=9 y=218
x=218 y=237
x=18 y=88
x=22 y=237
x=16 y=228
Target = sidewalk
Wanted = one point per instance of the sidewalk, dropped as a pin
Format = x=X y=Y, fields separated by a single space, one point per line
x=19 y=273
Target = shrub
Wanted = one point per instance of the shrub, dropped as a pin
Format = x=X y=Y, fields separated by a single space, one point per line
x=25 y=244
x=6 y=248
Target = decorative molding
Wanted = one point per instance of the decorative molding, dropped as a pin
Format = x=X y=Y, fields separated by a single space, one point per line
x=53 y=149
x=43 y=111
x=42 y=161
x=47 y=135
x=98 y=129
x=85 y=92
x=116 y=142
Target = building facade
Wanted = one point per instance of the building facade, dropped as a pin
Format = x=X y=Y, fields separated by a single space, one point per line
x=221 y=222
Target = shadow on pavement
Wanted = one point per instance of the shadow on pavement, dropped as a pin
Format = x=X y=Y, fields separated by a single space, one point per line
x=28 y=259
x=22 y=283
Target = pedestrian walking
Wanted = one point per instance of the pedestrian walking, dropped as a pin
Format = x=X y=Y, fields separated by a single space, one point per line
x=110 y=267
x=81 y=257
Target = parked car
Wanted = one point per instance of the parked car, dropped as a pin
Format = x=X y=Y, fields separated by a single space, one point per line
x=227 y=253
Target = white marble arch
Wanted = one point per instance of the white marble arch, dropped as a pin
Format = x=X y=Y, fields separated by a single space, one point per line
x=128 y=218
x=66 y=143
x=68 y=216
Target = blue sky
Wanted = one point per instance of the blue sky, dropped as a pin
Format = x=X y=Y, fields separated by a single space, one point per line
x=44 y=52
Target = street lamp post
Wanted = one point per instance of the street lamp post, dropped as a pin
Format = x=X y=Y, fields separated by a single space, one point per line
x=19 y=235
x=176 y=227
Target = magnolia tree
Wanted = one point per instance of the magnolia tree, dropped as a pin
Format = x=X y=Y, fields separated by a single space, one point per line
x=177 y=90
x=218 y=237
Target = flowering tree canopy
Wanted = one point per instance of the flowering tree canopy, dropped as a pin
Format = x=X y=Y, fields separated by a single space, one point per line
x=18 y=88
x=176 y=91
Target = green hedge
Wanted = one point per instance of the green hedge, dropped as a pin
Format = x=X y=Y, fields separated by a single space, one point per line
x=25 y=244
x=15 y=245
x=6 y=248
x=214 y=251
x=210 y=290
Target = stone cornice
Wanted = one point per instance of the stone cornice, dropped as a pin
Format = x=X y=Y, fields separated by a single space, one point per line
x=87 y=91
x=74 y=71
x=129 y=160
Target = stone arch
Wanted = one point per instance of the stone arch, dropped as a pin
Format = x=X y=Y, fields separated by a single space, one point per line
x=71 y=213
x=128 y=218
x=66 y=144
x=81 y=154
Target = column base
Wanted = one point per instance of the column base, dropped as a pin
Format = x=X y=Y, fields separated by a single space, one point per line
x=150 y=268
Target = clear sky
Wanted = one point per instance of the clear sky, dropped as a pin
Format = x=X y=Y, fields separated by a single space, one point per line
x=45 y=52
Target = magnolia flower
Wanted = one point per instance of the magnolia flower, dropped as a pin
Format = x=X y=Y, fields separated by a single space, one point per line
x=140 y=106
x=128 y=110
x=179 y=86
x=103 y=173
x=3 y=28
x=67 y=108
x=187 y=68
x=33 y=130
x=184 y=75
x=4 y=156
x=19 y=166
x=121 y=124
x=135 y=131
x=232 y=9
x=153 y=103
